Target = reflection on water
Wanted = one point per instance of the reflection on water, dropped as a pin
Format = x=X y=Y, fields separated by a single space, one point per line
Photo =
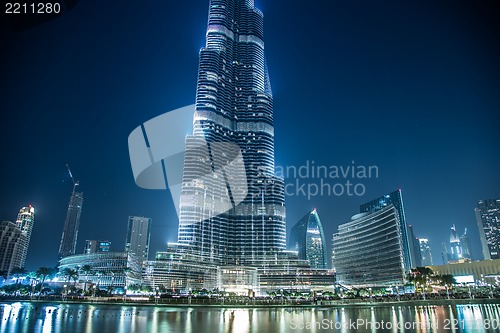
x=89 y=318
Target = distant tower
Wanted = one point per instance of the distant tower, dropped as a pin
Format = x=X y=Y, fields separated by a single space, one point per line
x=456 y=250
x=425 y=252
x=414 y=245
x=464 y=243
x=308 y=239
x=396 y=199
x=24 y=222
x=444 y=253
x=138 y=234
x=72 y=222
x=488 y=223
x=11 y=240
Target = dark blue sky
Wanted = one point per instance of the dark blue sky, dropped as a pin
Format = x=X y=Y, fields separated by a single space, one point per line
x=409 y=86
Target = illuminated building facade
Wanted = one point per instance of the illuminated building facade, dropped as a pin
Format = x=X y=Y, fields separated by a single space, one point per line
x=425 y=252
x=488 y=222
x=138 y=235
x=234 y=105
x=69 y=236
x=308 y=239
x=25 y=221
x=368 y=250
x=396 y=199
x=107 y=269
x=11 y=240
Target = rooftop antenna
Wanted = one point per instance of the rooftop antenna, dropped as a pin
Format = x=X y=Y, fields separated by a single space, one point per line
x=75 y=183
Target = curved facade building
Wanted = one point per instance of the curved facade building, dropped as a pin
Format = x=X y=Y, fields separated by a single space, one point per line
x=234 y=106
x=308 y=239
x=368 y=251
x=396 y=199
x=108 y=269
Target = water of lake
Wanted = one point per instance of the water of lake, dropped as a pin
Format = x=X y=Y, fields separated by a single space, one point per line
x=89 y=318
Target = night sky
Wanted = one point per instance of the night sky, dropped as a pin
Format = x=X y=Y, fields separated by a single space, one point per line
x=412 y=87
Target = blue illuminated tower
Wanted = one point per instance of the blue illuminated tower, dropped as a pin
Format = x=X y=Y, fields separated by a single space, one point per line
x=234 y=105
x=308 y=239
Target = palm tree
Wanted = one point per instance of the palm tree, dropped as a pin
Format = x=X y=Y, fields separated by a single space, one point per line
x=43 y=273
x=32 y=276
x=86 y=269
x=447 y=279
x=18 y=272
x=71 y=274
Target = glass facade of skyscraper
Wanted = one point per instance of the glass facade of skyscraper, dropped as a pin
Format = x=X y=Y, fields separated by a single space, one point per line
x=69 y=235
x=138 y=235
x=11 y=240
x=488 y=223
x=425 y=251
x=308 y=239
x=396 y=199
x=25 y=221
x=233 y=115
x=368 y=250
x=414 y=248
x=107 y=269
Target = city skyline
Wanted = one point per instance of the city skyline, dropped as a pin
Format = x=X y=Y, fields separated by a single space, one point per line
x=436 y=82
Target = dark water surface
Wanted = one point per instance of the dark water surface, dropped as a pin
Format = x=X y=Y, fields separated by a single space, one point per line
x=90 y=318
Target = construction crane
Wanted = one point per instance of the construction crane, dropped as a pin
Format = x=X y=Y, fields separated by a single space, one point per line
x=75 y=183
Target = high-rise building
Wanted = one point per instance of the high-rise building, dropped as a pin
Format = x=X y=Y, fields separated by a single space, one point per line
x=444 y=253
x=464 y=243
x=455 y=253
x=368 y=250
x=414 y=248
x=459 y=247
x=233 y=117
x=71 y=224
x=11 y=246
x=425 y=251
x=396 y=199
x=138 y=235
x=308 y=239
x=488 y=223
x=24 y=222
x=96 y=246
